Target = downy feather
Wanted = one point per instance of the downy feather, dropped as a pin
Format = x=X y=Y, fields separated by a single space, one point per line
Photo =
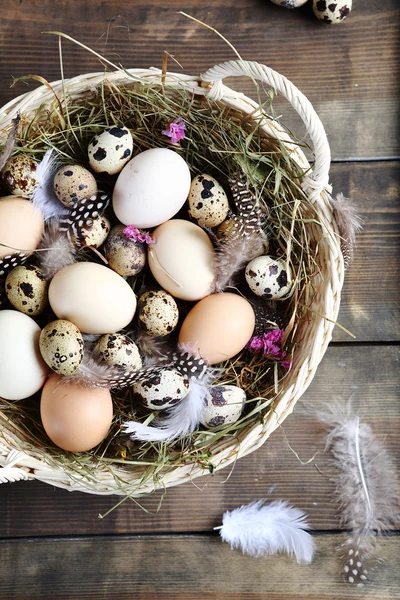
x=181 y=419
x=232 y=255
x=366 y=488
x=57 y=251
x=44 y=197
x=349 y=223
x=260 y=529
x=10 y=142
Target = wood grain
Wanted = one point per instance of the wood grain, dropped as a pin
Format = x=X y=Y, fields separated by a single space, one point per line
x=179 y=568
x=350 y=72
x=371 y=373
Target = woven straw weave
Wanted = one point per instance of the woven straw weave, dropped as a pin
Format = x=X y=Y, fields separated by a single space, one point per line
x=20 y=460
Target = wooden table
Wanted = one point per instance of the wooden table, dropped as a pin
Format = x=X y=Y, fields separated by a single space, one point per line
x=53 y=544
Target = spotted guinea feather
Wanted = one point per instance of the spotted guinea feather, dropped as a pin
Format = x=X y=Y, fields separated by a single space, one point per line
x=80 y=216
x=248 y=218
x=7 y=263
x=10 y=142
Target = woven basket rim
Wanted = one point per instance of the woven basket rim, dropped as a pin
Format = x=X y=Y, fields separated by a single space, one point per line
x=28 y=463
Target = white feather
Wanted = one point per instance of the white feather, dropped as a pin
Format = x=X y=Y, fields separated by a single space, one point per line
x=260 y=529
x=56 y=252
x=44 y=197
x=182 y=419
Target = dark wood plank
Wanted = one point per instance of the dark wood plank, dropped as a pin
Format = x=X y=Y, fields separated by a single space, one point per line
x=349 y=72
x=371 y=373
x=179 y=568
x=371 y=294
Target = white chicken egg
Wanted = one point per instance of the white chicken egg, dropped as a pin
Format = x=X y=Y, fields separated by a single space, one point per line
x=110 y=151
x=151 y=188
x=22 y=369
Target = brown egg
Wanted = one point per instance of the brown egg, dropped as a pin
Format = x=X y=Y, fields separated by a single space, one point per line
x=19 y=175
x=21 y=226
x=218 y=327
x=74 y=417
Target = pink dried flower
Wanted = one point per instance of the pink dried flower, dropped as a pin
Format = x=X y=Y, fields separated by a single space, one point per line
x=255 y=344
x=270 y=344
x=132 y=233
x=286 y=364
x=175 y=130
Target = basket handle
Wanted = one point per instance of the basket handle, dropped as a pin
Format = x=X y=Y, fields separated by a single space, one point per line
x=318 y=179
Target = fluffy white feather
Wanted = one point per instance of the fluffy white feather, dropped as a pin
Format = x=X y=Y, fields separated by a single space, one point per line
x=44 y=197
x=182 y=419
x=260 y=529
x=367 y=488
x=232 y=255
x=56 y=252
x=349 y=223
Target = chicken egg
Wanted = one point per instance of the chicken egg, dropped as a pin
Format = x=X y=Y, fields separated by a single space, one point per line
x=181 y=259
x=223 y=405
x=21 y=228
x=61 y=346
x=208 y=202
x=19 y=175
x=158 y=313
x=218 y=327
x=117 y=350
x=151 y=188
x=110 y=151
x=73 y=183
x=93 y=297
x=26 y=289
x=22 y=369
x=75 y=418
x=162 y=391
x=125 y=256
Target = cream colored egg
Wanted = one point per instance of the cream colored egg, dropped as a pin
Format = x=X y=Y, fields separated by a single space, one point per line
x=21 y=226
x=27 y=290
x=117 y=350
x=162 y=391
x=95 y=235
x=182 y=259
x=19 y=175
x=74 y=183
x=93 y=297
x=125 y=256
x=332 y=11
x=110 y=151
x=22 y=369
x=208 y=202
x=269 y=277
x=75 y=418
x=61 y=346
x=158 y=313
x=151 y=188
x=223 y=405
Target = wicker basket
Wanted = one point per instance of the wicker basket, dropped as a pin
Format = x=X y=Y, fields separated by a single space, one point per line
x=20 y=460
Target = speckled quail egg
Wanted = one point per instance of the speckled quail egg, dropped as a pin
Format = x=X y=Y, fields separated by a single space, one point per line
x=162 y=391
x=73 y=183
x=289 y=3
x=208 y=202
x=125 y=256
x=118 y=350
x=224 y=405
x=268 y=277
x=19 y=175
x=27 y=289
x=158 y=313
x=227 y=228
x=61 y=346
x=95 y=235
x=332 y=11
x=110 y=151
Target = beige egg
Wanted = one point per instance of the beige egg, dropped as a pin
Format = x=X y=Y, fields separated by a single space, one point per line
x=75 y=418
x=21 y=228
x=332 y=11
x=208 y=202
x=95 y=235
x=27 y=290
x=224 y=405
x=19 y=175
x=110 y=151
x=268 y=277
x=118 y=350
x=61 y=346
x=289 y=3
x=125 y=256
x=73 y=183
x=162 y=391
x=158 y=313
